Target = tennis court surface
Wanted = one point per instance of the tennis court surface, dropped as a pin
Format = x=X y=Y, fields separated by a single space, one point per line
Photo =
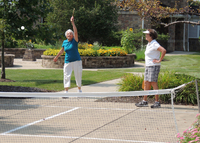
x=83 y=120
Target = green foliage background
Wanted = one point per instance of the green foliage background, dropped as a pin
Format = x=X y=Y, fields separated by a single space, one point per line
x=94 y=19
x=166 y=80
x=22 y=13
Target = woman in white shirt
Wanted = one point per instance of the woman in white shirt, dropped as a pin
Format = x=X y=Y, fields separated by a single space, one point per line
x=152 y=63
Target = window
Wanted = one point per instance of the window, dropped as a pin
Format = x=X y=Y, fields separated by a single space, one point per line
x=194 y=30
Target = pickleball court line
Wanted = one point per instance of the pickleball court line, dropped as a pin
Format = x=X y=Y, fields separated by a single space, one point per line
x=41 y=120
x=117 y=109
x=74 y=138
x=85 y=138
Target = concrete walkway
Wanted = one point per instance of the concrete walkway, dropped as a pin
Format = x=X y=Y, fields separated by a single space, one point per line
x=185 y=115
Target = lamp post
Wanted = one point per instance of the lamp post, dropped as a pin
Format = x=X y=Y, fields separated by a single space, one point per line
x=29 y=55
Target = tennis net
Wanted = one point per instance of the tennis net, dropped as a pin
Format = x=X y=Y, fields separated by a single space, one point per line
x=86 y=117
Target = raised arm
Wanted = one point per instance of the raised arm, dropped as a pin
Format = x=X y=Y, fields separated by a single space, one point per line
x=74 y=29
x=58 y=55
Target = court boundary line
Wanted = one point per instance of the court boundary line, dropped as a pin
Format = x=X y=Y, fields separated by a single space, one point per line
x=81 y=137
x=117 y=109
x=85 y=138
x=38 y=121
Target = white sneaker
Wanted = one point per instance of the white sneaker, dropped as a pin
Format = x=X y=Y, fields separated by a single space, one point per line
x=79 y=90
x=65 y=97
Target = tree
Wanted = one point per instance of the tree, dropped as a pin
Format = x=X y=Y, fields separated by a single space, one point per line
x=17 y=13
x=155 y=10
x=95 y=19
x=2 y=35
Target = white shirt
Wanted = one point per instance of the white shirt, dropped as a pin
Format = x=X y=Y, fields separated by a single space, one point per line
x=152 y=53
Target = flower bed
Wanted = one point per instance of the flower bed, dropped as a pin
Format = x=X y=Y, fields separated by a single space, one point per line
x=191 y=135
x=92 y=58
x=90 y=52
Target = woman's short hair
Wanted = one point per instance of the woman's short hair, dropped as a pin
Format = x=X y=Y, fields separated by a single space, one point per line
x=69 y=31
x=153 y=34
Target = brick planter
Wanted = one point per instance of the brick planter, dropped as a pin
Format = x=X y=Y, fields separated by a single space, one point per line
x=19 y=52
x=93 y=62
x=8 y=60
x=47 y=62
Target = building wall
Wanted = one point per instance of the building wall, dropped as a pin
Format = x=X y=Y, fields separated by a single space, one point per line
x=179 y=37
x=175 y=42
x=129 y=19
x=194 y=45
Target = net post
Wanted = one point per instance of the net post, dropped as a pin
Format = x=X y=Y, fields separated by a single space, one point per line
x=197 y=92
x=172 y=102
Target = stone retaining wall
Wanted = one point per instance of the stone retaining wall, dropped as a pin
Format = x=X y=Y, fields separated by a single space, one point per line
x=8 y=60
x=93 y=62
x=19 y=52
x=47 y=62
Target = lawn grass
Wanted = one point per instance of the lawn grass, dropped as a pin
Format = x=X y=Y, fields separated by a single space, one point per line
x=52 y=79
x=184 y=64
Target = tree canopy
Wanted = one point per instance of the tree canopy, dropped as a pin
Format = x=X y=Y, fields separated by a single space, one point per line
x=94 y=19
x=17 y=13
x=155 y=10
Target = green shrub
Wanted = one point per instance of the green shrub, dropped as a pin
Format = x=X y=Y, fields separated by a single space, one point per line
x=166 y=80
x=140 y=56
x=113 y=39
x=131 y=39
x=37 y=46
x=96 y=46
x=162 y=36
x=131 y=82
x=21 y=43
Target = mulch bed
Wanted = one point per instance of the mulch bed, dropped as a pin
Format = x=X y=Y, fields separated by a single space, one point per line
x=5 y=88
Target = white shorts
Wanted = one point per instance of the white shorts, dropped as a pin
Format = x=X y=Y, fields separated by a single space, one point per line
x=67 y=70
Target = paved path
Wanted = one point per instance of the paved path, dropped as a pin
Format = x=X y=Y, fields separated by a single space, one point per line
x=185 y=115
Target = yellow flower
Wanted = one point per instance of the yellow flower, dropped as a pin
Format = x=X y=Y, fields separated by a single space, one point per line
x=131 y=29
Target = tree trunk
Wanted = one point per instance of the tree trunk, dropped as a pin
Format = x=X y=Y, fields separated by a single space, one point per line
x=3 y=74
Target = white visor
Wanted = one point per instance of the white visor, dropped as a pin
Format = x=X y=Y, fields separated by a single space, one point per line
x=146 y=32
